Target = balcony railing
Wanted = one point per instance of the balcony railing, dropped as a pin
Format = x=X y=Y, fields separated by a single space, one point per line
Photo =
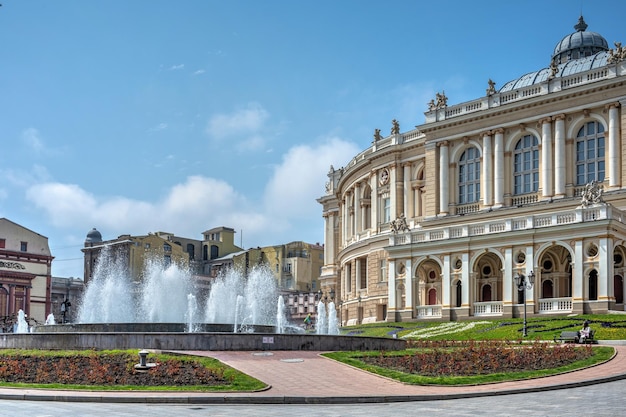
x=430 y=311
x=488 y=308
x=488 y=227
x=555 y=305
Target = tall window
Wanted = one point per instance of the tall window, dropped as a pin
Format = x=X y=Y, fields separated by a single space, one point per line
x=590 y=153
x=24 y=246
x=2 y=243
x=383 y=270
x=526 y=165
x=363 y=283
x=469 y=177
x=348 y=278
x=386 y=210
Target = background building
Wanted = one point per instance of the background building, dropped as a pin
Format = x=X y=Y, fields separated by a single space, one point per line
x=25 y=274
x=527 y=180
x=134 y=252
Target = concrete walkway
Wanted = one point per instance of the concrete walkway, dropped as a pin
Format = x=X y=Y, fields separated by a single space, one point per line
x=305 y=377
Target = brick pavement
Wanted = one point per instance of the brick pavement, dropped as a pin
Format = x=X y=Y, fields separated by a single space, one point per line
x=299 y=377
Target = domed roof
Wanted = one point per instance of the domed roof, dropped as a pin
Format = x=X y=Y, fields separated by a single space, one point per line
x=578 y=52
x=93 y=236
x=579 y=44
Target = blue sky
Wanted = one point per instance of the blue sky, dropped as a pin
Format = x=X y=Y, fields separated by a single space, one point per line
x=179 y=116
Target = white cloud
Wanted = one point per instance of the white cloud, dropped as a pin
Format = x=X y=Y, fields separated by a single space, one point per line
x=176 y=67
x=253 y=143
x=299 y=180
x=249 y=120
x=32 y=139
x=187 y=209
x=198 y=72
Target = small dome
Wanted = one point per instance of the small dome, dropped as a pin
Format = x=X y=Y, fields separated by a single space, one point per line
x=579 y=44
x=93 y=236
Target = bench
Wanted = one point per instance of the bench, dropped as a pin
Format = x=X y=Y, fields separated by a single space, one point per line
x=567 y=337
x=574 y=337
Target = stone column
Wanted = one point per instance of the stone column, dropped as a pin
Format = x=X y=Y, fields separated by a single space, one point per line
x=27 y=301
x=465 y=282
x=498 y=168
x=357 y=208
x=345 y=218
x=328 y=233
x=12 y=309
x=578 y=291
x=445 y=283
x=508 y=293
x=444 y=161
x=406 y=187
x=374 y=202
x=393 y=192
x=614 y=146
x=530 y=265
x=391 y=289
x=605 y=270
x=487 y=180
x=408 y=287
x=559 y=151
x=546 y=157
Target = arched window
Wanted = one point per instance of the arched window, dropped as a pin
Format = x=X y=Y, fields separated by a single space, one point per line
x=487 y=293
x=469 y=176
x=459 y=293
x=618 y=289
x=593 y=285
x=590 y=153
x=526 y=165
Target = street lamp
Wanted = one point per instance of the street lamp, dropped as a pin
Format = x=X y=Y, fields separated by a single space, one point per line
x=524 y=283
x=332 y=294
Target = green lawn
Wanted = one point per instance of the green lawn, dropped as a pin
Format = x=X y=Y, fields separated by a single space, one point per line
x=607 y=327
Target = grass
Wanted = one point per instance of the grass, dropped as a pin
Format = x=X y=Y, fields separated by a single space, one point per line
x=607 y=327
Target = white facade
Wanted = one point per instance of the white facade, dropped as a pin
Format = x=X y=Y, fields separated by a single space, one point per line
x=436 y=222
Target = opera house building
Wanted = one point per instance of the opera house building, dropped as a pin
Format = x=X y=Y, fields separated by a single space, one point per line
x=516 y=198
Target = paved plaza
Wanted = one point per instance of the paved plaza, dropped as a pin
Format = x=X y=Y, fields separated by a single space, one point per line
x=304 y=377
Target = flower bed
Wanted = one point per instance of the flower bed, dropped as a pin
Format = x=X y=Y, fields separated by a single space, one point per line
x=444 y=358
x=102 y=368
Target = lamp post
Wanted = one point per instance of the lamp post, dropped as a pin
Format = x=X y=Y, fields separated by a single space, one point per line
x=524 y=283
x=332 y=294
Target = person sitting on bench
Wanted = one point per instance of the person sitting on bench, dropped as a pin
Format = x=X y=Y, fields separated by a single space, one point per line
x=584 y=332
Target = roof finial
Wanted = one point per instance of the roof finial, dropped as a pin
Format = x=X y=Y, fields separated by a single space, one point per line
x=581 y=26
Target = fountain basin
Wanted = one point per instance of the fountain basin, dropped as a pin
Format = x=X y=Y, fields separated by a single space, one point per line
x=147 y=328
x=194 y=341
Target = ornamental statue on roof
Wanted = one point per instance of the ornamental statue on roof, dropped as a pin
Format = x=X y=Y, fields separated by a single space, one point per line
x=395 y=127
x=377 y=136
x=440 y=102
x=492 y=87
x=616 y=55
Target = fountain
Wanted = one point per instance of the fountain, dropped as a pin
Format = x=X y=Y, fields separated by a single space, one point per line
x=333 y=324
x=50 y=319
x=165 y=311
x=322 y=322
x=22 y=325
x=192 y=308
